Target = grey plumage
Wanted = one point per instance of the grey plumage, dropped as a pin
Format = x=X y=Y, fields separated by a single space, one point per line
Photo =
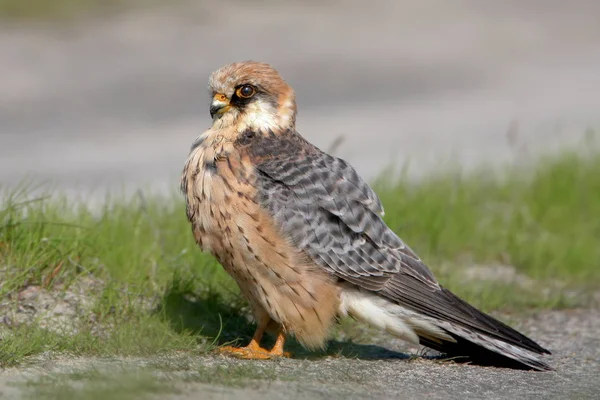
x=323 y=206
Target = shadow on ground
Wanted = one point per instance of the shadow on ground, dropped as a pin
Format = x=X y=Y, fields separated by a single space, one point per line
x=224 y=322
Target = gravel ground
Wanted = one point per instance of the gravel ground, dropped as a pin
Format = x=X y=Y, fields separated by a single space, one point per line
x=374 y=373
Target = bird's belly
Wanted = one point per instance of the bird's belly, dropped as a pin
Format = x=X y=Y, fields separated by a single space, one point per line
x=230 y=227
x=228 y=224
x=271 y=271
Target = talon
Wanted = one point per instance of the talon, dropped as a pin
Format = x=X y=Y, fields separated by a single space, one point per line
x=251 y=353
x=246 y=353
x=254 y=352
x=277 y=350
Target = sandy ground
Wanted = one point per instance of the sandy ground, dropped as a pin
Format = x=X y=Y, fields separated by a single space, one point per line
x=116 y=103
x=376 y=373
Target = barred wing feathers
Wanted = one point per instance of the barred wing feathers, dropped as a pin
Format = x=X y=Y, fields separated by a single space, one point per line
x=330 y=213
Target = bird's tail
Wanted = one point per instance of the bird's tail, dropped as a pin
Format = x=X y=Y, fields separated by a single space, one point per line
x=486 y=351
x=446 y=323
x=496 y=345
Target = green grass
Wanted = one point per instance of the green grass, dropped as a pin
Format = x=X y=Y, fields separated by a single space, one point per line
x=542 y=222
x=156 y=292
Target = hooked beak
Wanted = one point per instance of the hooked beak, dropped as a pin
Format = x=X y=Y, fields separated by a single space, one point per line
x=219 y=105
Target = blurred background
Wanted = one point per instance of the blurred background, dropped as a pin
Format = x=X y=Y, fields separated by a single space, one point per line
x=110 y=94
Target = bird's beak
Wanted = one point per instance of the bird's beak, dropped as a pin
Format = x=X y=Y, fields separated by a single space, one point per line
x=219 y=105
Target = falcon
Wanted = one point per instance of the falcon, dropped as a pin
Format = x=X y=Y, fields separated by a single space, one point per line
x=302 y=234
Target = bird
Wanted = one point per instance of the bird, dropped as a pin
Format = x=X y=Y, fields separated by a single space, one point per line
x=303 y=235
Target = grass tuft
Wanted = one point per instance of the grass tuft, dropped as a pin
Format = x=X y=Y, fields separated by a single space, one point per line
x=541 y=222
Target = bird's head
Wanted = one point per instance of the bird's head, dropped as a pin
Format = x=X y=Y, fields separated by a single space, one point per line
x=251 y=95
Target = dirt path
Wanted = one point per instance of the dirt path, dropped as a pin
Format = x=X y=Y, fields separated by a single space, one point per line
x=375 y=373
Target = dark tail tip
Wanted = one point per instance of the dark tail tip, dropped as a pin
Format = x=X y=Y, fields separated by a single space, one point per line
x=465 y=351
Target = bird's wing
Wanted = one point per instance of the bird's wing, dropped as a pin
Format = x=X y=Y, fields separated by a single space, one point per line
x=320 y=203
x=330 y=213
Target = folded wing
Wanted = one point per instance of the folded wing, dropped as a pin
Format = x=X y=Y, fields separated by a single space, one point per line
x=335 y=218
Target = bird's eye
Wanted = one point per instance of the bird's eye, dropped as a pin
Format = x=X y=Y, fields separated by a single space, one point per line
x=245 y=91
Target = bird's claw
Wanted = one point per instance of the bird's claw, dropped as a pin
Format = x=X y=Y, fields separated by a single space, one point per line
x=252 y=352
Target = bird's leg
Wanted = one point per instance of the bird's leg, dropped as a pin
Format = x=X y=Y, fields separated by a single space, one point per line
x=277 y=350
x=253 y=351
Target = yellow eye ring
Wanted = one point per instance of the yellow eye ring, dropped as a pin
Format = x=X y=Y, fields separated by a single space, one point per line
x=245 y=91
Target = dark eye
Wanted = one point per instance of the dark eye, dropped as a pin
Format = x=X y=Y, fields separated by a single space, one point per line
x=245 y=91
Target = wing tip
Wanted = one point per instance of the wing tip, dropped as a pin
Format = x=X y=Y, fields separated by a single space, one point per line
x=505 y=333
x=468 y=351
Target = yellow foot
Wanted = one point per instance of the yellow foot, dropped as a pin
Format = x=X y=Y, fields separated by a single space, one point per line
x=252 y=352
x=247 y=353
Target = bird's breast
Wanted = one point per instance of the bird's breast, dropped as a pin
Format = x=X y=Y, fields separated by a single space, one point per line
x=227 y=220
x=217 y=182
